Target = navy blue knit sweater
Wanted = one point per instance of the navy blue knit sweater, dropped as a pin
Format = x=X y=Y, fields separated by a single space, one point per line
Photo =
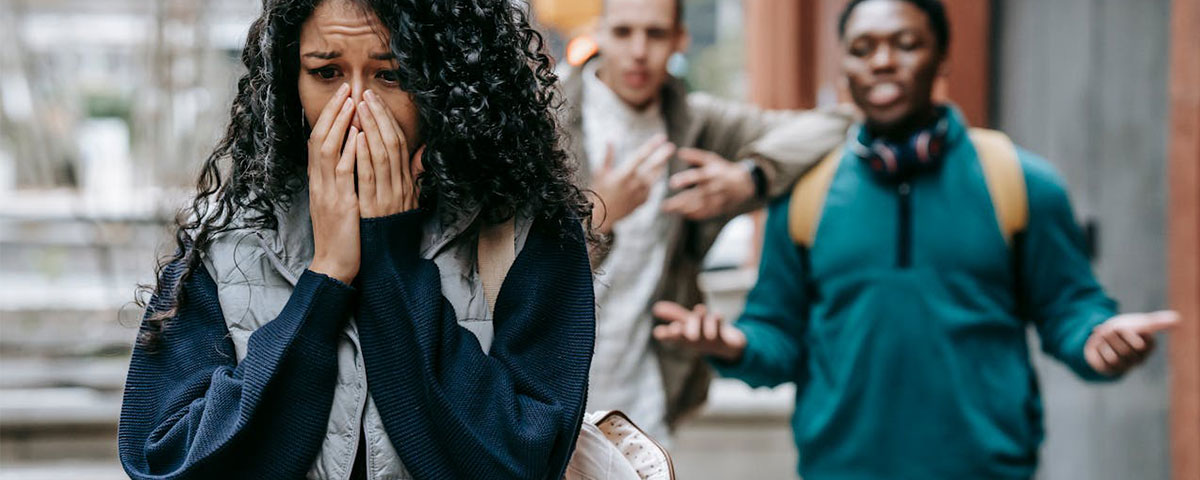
x=191 y=411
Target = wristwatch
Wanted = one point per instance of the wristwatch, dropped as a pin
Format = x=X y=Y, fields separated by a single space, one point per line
x=758 y=176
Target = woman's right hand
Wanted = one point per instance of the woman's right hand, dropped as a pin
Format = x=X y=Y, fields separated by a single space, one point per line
x=332 y=200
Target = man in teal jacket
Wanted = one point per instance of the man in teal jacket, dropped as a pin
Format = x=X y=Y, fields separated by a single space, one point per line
x=903 y=322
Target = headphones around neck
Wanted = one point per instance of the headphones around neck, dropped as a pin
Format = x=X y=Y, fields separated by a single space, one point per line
x=892 y=161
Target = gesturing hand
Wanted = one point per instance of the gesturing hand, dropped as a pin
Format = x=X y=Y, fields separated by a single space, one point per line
x=713 y=186
x=622 y=188
x=1124 y=341
x=699 y=329
x=386 y=174
x=332 y=202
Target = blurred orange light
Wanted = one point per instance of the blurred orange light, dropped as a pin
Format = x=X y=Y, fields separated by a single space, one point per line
x=580 y=49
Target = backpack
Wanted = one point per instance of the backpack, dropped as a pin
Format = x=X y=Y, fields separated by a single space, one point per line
x=1001 y=170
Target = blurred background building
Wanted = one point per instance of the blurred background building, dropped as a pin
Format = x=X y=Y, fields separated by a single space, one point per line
x=108 y=106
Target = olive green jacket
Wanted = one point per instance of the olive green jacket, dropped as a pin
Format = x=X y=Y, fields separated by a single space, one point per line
x=783 y=143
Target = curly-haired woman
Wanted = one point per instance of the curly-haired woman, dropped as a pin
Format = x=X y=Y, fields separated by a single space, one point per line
x=324 y=314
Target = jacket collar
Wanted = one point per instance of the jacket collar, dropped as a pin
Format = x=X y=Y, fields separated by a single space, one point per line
x=956 y=129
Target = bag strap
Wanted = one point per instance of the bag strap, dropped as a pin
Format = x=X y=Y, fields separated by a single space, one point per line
x=1005 y=180
x=808 y=199
x=495 y=255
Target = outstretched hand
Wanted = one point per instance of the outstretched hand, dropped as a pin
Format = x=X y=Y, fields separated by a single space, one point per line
x=701 y=330
x=1124 y=341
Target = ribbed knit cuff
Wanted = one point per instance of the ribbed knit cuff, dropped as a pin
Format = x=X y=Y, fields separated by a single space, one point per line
x=394 y=238
x=328 y=299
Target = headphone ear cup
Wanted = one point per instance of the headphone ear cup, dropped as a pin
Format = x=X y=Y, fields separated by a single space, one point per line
x=936 y=147
x=920 y=146
x=928 y=146
x=884 y=157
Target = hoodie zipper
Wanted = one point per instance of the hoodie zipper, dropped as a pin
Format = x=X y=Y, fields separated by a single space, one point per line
x=904 y=226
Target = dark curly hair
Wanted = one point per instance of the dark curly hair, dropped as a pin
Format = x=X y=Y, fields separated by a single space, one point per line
x=484 y=88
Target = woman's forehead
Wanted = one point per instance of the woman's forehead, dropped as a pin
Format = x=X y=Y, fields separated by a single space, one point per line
x=339 y=23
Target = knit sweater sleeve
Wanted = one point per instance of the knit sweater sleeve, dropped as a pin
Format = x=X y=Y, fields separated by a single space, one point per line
x=191 y=411
x=451 y=410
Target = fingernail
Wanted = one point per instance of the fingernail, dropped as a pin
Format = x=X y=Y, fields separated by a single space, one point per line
x=342 y=90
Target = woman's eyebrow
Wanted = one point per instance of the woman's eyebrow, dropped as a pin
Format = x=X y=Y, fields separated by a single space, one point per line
x=335 y=54
x=323 y=55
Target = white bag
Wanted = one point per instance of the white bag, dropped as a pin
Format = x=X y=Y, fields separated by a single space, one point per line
x=611 y=447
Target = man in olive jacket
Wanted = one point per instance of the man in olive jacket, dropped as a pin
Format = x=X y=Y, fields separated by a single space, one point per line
x=670 y=169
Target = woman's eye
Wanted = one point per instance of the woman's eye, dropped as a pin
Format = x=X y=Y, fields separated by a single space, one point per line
x=324 y=73
x=389 y=76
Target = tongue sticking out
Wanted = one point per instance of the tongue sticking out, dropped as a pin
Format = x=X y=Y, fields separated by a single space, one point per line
x=884 y=94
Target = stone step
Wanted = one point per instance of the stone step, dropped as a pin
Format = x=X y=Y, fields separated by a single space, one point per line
x=61 y=261
x=56 y=424
x=68 y=332
x=51 y=256
x=103 y=374
x=63 y=469
x=64 y=407
x=732 y=401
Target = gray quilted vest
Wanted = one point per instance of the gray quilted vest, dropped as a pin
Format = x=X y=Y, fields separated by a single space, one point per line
x=255 y=272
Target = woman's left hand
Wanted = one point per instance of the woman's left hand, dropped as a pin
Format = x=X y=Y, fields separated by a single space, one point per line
x=387 y=174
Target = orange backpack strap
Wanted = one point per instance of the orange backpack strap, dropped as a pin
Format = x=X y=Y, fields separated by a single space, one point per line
x=1005 y=180
x=808 y=199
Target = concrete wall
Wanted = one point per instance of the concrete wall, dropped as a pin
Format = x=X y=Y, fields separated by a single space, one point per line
x=1083 y=82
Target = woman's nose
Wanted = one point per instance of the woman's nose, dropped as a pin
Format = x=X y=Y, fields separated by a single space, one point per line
x=357 y=88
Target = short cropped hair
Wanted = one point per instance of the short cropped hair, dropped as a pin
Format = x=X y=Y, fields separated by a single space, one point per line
x=934 y=10
x=678 y=11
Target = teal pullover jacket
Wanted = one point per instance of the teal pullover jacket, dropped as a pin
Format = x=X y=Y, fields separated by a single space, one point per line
x=904 y=329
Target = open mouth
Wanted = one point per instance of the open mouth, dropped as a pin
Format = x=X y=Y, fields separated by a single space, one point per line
x=884 y=94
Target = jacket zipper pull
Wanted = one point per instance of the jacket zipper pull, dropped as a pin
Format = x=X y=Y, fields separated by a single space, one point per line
x=904 y=240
